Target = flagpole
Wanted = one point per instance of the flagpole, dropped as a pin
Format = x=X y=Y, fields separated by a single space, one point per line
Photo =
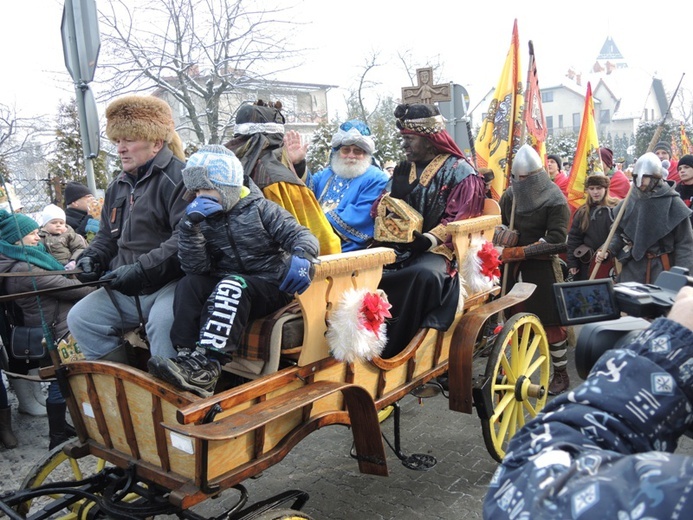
x=660 y=128
x=523 y=136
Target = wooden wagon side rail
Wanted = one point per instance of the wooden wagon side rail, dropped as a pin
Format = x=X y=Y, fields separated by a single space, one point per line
x=362 y=416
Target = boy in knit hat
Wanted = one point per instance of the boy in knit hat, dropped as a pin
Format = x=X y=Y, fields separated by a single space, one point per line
x=60 y=239
x=77 y=201
x=243 y=257
x=663 y=150
x=554 y=167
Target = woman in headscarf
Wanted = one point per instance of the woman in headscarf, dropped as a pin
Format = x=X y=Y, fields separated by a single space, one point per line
x=22 y=252
x=259 y=144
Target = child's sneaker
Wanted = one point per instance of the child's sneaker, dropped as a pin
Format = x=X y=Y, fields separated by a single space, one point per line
x=189 y=370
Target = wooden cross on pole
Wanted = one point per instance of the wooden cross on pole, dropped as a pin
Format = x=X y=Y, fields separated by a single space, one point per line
x=425 y=91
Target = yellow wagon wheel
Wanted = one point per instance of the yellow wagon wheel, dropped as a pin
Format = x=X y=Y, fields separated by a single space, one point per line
x=517 y=379
x=56 y=466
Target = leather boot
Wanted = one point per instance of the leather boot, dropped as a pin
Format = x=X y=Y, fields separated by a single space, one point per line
x=58 y=429
x=39 y=395
x=560 y=381
x=6 y=434
x=24 y=391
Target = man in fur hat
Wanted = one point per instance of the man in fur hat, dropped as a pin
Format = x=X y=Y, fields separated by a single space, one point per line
x=347 y=188
x=437 y=180
x=136 y=248
x=655 y=231
x=541 y=215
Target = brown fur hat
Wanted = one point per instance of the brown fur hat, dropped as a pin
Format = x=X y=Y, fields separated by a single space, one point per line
x=597 y=179
x=143 y=117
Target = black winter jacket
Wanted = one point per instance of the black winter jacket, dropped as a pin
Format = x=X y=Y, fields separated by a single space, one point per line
x=77 y=220
x=138 y=221
x=255 y=237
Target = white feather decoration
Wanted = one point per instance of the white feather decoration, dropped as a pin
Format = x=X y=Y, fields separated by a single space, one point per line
x=474 y=279
x=348 y=336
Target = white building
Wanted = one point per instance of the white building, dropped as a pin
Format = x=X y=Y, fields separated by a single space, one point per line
x=623 y=97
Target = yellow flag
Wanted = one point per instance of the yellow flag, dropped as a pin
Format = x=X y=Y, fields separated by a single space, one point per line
x=587 y=160
x=499 y=136
x=686 y=146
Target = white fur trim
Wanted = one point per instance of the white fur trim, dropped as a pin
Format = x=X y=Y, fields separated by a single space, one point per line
x=258 y=128
x=347 y=337
x=474 y=281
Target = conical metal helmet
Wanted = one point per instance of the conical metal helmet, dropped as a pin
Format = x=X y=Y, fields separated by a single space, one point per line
x=647 y=165
x=526 y=162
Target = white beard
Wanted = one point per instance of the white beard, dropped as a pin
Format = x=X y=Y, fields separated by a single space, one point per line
x=349 y=170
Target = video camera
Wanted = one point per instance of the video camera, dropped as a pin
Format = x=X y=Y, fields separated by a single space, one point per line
x=598 y=306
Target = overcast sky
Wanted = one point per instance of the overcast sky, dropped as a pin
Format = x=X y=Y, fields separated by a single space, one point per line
x=470 y=39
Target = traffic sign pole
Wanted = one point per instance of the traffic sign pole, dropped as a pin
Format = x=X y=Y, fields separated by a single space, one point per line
x=81 y=44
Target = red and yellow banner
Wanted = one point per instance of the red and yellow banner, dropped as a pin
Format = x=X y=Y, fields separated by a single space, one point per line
x=534 y=112
x=499 y=136
x=587 y=160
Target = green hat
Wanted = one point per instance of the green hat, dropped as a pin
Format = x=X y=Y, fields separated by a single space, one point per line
x=15 y=226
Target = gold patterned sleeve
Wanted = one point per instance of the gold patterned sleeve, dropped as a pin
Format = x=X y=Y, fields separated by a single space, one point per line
x=440 y=232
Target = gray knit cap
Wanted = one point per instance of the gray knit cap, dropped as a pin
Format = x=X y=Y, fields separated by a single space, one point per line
x=215 y=167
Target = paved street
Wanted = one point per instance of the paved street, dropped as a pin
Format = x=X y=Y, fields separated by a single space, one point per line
x=321 y=466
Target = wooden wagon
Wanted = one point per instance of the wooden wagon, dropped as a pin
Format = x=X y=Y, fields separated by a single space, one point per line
x=184 y=449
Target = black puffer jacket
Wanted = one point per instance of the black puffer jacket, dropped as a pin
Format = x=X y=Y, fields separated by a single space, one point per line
x=139 y=219
x=256 y=237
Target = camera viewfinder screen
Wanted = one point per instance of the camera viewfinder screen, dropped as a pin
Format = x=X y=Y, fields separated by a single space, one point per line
x=588 y=301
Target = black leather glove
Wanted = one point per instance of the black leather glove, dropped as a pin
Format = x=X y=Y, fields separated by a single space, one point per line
x=91 y=269
x=420 y=244
x=127 y=279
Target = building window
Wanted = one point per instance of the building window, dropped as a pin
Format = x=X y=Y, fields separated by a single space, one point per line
x=547 y=97
x=560 y=121
x=576 y=122
x=605 y=117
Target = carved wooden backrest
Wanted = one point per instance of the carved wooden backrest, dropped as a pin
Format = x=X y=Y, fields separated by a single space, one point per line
x=334 y=275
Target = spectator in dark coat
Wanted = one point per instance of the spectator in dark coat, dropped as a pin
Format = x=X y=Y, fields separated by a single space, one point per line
x=77 y=201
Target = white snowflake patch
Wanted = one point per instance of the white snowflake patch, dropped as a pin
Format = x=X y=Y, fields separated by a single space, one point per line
x=585 y=499
x=662 y=383
x=660 y=344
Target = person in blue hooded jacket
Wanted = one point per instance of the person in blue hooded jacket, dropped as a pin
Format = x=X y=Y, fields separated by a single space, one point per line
x=606 y=448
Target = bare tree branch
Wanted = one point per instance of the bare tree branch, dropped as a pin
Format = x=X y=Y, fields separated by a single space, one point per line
x=370 y=64
x=197 y=52
x=16 y=132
